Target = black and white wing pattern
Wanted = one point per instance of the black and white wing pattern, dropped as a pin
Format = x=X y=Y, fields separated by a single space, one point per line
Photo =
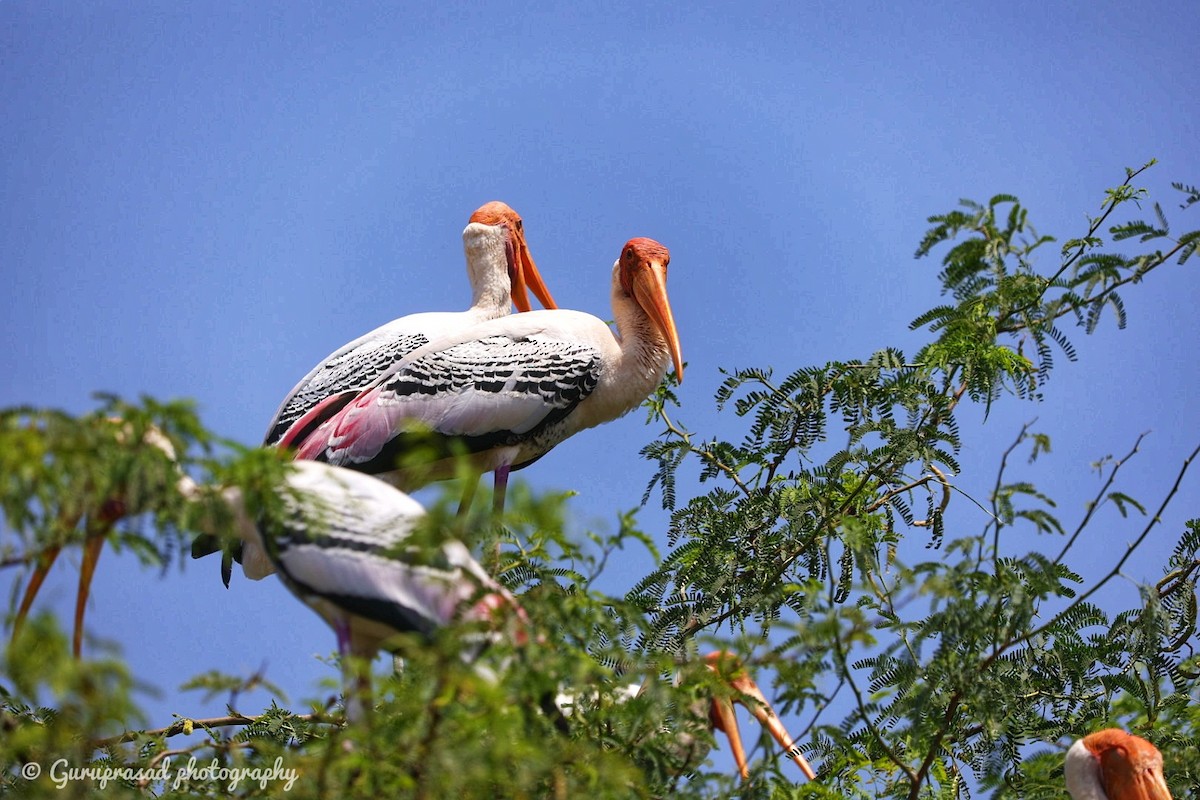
x=341 y=543
x=511 y=383
x=349 y=370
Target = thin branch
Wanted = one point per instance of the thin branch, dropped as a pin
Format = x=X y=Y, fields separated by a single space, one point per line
x=706 y=455
x=1098 y=501
x=919 y=778
x=1116 y=570
x=184 y=725
x=848 y=677
x=995 y=520
x=1095 y=226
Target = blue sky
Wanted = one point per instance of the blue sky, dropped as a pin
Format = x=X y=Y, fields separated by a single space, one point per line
x=203 y=200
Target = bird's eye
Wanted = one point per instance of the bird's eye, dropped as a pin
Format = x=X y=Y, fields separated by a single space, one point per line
x=520 y=225
x=628 y=252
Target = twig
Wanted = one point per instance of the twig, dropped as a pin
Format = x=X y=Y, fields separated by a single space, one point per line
x=848 y=677
x=1116 y=570
x=1095 y=504
x=185 y=726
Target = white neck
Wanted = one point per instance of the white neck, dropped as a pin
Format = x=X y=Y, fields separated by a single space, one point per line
x=635 y=366
x=486 y=250
x=1082 y=773
x=643 y=347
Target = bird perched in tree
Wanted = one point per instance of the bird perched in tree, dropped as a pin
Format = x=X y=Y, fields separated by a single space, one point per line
x=342 y=545
x=723 y=718
x=720 y=712
x=508 y=390
x=1114 y=765
x=501 y=272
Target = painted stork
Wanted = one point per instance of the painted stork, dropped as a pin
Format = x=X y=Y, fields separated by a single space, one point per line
x=499 y=268
x=1114 y=765
x=508 y=390
x=721 y=714
x=724 y=719
x=501 y=272
x=340 y=548
x=98 y=522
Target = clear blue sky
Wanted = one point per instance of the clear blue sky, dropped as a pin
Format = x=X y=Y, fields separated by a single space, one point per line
x=202 y=200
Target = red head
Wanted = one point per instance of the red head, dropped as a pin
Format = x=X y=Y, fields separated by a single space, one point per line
x=522 y=272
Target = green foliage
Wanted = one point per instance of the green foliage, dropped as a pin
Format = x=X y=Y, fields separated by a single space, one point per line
x=969 y=659
x=823 y=542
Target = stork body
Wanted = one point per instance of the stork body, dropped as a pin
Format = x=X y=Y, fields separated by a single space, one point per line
x=499 y=268
x=508 y=390
x=340 y=548
x=1114 y=765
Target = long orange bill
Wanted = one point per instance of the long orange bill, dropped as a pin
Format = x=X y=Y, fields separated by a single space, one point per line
x=45 y=562
x=650 y=289
x=524 y=274
x=92 y=546
x=531 y=275
x=516 y=270
x=724 y=719
x=767 y=717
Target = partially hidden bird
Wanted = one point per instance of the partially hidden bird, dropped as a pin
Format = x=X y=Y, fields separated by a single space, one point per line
x=342 y=547
x=720 y=710
x=501 y=272
x=1114 y=765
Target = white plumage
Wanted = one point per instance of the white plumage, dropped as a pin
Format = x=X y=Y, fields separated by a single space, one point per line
x=1114 y=765
x=499 y=267
x=340 y=547
x=508 y=390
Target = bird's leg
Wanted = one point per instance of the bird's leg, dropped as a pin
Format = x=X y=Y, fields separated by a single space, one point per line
x=468 y=497
x=500 y=489
x=356 y=675
x=92 y=546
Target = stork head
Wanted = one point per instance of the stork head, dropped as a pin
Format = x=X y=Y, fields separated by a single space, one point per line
x=522 y=272
x=1115 y=765
x=723 y=718
x=501 y=611
x=642 y=269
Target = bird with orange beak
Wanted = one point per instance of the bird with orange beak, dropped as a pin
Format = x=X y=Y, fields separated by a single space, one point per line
x=501 y=272
x=734 y=686
x=1114 y=765
x=506 y=391
x=723 y=718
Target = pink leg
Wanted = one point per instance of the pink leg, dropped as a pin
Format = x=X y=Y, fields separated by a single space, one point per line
x=501 y=488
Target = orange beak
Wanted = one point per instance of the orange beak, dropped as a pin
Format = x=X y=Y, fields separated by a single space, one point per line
x=725 y=720
x=524 y=275
x=650 y=289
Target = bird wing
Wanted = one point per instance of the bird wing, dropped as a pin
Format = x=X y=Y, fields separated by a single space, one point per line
x=342 y=540
x=495 y=385
x=354 y=367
